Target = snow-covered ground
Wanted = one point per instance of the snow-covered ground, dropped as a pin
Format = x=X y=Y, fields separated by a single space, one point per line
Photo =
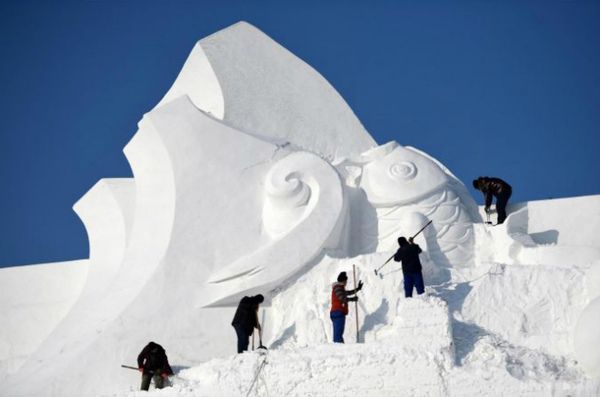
x=253 y=175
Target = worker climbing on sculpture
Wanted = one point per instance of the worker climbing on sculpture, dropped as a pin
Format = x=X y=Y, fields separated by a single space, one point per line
x=494 y=187
x=339 y=305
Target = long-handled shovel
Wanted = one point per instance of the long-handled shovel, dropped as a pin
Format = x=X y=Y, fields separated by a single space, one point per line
x=412 y=238
x=355 y=303
x=260 y=344
x=380 y=267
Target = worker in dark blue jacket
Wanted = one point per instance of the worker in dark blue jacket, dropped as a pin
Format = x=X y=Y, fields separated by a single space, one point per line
x=408 y=254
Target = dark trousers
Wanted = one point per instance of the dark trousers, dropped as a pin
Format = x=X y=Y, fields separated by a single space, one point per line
x=501 y=201
x=413 y=280
x=338 y=319
x=159 y=381
x=243 y=339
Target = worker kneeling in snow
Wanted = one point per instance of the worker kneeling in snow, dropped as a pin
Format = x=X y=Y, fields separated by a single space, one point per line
x=153 y=363
x=339 y=305
x=408 y=254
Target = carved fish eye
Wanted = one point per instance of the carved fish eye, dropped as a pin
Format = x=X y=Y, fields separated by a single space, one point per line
x=403 y=171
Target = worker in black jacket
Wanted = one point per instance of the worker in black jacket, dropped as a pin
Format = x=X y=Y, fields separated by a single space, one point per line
x=153 y=363
x=494 y=187
x=408 y=254
x=246 y=319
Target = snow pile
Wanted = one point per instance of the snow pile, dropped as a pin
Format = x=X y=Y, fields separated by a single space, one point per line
x=390 y=364
x=377 y=370
x=416 y=345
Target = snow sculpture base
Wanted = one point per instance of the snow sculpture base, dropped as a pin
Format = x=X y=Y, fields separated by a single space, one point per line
x=587 y=339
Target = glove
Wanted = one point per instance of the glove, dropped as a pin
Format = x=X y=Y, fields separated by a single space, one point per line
x=353 y=299
x=410 y=240
x=487 y=210
x=360 y=285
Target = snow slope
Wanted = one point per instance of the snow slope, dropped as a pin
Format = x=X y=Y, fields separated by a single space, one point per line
x=253 y=175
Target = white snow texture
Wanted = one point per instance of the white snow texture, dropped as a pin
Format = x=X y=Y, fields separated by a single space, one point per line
x=252 y=175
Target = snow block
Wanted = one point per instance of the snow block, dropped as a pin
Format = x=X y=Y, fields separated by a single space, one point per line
x=33 y=301
x=423 y=324
x=533 y=306
x=323 y=370
x=587 y=339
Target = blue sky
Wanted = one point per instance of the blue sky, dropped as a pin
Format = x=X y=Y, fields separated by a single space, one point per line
x=508 y=89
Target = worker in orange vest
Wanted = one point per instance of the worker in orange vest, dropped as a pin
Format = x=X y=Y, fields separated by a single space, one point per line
x=339 y=305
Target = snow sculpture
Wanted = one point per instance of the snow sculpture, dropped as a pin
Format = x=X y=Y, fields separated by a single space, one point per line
x=219 y=204
x=407 y=188
x=251 y=170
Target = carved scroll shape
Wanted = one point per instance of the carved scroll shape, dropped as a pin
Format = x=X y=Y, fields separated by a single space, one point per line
x=303 y=208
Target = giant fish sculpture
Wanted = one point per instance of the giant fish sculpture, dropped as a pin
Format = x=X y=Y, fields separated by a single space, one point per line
x=405 y=188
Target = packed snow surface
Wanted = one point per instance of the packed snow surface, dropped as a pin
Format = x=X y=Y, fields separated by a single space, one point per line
x=252 y=175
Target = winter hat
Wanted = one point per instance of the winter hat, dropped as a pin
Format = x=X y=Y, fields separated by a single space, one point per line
x=476 y=183
x=402 y=241
x=342 y=277
x=259 y=298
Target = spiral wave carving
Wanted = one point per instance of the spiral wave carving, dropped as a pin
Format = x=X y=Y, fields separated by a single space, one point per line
x=286 y=188
x=303 y=207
